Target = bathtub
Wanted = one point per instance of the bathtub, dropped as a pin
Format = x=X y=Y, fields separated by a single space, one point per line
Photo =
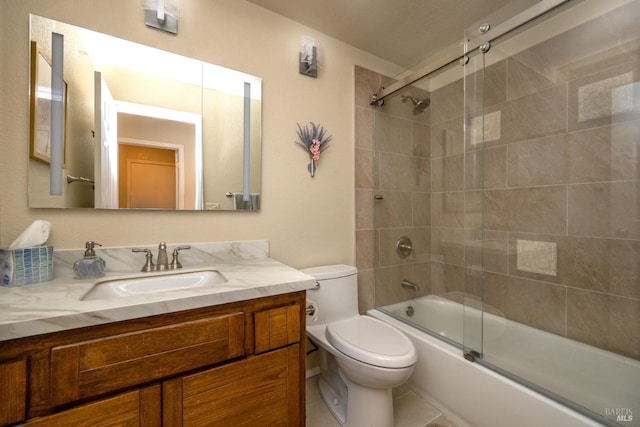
x=472 y=394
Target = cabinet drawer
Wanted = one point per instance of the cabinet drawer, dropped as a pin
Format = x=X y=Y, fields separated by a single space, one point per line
x=262 y=390
x=134 y=408
x=277 y=327
x=13 y=391
x=94 y=367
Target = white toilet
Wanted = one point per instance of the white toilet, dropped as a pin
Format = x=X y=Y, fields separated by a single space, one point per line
x=361 y=358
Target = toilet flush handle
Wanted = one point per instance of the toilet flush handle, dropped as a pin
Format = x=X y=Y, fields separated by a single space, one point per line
x=316 y=287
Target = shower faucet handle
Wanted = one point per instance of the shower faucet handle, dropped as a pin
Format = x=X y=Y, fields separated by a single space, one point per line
x=404 y=247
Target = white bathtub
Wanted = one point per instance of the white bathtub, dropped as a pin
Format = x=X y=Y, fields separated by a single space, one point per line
x=473 y=395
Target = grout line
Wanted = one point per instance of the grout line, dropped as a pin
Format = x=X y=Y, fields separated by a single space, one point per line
x=566 y=215
x=434 y=419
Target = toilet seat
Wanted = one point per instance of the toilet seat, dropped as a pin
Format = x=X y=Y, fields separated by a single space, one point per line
x=372 y=341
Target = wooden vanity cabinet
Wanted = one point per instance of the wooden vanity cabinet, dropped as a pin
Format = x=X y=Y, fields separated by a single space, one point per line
x=133 y=408
x=13 y=391
x=96 y=367
x=257 y=391
x=229 y=365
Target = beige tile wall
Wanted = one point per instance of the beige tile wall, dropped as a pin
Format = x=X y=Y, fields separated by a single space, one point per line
x=393 y=163
x=559 y=167
x=567 y=171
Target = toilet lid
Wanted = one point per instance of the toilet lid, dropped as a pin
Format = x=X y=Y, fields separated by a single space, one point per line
x=372 y=341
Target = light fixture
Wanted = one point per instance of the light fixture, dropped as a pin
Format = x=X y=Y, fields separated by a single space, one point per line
x=309 y=56
x=162 y=14
x=246 y=154
x=57 y=114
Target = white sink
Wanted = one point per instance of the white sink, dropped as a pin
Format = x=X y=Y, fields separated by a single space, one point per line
x=140 y=285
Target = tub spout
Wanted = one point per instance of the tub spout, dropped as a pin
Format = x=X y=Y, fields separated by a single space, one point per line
x=409 y=285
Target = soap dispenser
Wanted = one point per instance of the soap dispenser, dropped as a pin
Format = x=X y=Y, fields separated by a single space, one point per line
x=90 y=265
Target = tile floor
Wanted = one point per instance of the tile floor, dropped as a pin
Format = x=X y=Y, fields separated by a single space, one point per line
x=409 y=409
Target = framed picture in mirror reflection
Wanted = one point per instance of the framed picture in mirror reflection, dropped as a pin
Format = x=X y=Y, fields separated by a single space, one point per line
x=40 y=107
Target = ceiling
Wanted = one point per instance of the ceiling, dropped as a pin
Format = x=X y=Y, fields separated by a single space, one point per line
x=404 y=32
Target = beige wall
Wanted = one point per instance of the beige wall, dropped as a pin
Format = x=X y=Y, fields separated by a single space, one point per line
x=308 y=221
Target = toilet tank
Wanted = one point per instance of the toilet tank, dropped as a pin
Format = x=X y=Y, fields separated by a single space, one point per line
x=336 y=297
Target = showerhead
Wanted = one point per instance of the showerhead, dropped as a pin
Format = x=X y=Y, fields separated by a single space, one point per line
x=419 y=105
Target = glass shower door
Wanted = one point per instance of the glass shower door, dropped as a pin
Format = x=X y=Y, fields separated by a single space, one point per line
x=474 y=137
x=552 y=124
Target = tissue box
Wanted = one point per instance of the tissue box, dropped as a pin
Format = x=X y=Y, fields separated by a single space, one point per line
x=23 y=266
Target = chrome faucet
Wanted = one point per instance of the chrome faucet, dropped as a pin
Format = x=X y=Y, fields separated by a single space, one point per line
x=163 y=259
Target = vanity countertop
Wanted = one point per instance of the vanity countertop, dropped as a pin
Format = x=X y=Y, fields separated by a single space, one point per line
x=57 y=305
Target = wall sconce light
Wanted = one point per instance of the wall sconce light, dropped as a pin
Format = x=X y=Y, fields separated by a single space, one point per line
x=309 y=56
x=162 y=14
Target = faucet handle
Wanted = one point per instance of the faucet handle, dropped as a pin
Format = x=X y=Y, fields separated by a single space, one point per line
x=174 y=261
x=148 y=265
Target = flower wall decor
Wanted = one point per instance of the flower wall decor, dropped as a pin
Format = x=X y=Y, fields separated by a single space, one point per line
x=312 y=139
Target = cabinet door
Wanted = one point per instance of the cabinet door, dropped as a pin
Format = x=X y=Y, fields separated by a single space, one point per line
x=96 y=367
x=264 y=390
x=134 y=408
x=13 y=391
x=277 y=327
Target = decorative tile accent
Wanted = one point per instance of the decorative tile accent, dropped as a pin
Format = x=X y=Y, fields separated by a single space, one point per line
x=485 y=130
x=537 y=257
x=605 y=97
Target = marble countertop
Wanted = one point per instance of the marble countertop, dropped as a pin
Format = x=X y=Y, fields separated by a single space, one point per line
x=57 y=305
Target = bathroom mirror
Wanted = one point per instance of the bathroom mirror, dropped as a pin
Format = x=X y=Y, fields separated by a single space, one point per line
x=146 y=128
x=40 y=106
